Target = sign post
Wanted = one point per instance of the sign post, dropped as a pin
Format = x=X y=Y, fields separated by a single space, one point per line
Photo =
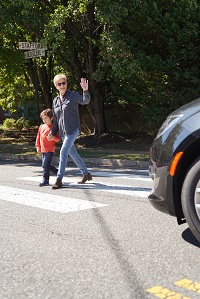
x=34 y=50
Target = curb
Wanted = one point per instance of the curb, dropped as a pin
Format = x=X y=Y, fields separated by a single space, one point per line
x=94 y=161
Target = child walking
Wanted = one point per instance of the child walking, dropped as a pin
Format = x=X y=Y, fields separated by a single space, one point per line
x=46 y=147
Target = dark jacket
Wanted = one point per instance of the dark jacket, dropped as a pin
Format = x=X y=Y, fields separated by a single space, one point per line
x=66 y=114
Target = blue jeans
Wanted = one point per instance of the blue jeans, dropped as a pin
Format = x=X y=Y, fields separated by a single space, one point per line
x=68 y=149
x=46 y=165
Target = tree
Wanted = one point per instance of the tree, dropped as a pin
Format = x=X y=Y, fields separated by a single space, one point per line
x=58 y=25
x=73 y=34
x=16 y=26
x=151 y=54
x=141 y=52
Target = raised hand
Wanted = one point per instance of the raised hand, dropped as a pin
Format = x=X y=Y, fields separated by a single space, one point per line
x=84 y=84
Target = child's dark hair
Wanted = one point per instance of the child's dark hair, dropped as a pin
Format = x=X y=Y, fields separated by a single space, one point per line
x=48 y=112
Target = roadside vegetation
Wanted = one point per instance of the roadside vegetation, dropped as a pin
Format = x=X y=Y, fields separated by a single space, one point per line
x=107 y=146
x=144 y=53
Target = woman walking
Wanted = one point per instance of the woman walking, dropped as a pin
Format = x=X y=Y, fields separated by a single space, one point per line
x=66 y=121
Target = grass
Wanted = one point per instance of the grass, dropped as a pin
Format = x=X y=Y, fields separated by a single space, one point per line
x=88 y=153
x=107 y=146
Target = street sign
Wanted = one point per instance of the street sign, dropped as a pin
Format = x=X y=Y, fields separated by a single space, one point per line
x=34 y=53
x=31 y=46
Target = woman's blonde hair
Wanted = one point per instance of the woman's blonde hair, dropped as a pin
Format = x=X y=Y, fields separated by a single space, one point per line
x=59 y=77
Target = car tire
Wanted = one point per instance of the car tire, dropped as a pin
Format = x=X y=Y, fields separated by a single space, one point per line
x=190 y=198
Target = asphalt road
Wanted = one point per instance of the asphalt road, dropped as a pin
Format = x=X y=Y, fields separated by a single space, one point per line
x=98 y=240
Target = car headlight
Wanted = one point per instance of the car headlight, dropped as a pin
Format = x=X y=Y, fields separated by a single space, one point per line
x=168 y=123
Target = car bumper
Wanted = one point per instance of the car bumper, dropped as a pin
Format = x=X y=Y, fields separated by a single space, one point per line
x=161 y=196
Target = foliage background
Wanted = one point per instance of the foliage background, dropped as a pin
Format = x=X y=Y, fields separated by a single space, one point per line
x=144 y=53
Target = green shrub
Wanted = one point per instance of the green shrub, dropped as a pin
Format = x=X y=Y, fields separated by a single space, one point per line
x=9 y=123
x=21 y=123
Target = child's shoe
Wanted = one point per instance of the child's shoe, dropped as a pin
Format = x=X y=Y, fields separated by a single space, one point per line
x=44 y=183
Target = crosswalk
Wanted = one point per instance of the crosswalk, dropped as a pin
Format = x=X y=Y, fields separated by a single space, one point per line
x=54 y=203
x=65 y=204
x=96 y=185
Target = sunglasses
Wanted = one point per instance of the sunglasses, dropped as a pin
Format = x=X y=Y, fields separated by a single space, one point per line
x=61 y=83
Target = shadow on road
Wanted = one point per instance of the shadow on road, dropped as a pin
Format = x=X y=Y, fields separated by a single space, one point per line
x=189 y=237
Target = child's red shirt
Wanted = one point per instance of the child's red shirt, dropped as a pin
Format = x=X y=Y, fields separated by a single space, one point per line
x=42 y=142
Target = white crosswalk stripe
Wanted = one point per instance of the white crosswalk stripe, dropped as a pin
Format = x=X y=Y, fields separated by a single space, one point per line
x=39 y=200
x=64 y=204
x=105 y=187
x=128 y=176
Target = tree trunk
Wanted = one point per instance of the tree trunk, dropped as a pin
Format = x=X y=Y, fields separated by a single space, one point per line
x=88 y=41
x=45 y=83
x=97 y=93
x=33 y=73
x=97 y=107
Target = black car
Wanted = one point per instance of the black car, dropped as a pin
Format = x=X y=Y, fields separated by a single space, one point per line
x=175 y=166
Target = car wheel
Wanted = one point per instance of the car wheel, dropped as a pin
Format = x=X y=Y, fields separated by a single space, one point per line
x=190 y=198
